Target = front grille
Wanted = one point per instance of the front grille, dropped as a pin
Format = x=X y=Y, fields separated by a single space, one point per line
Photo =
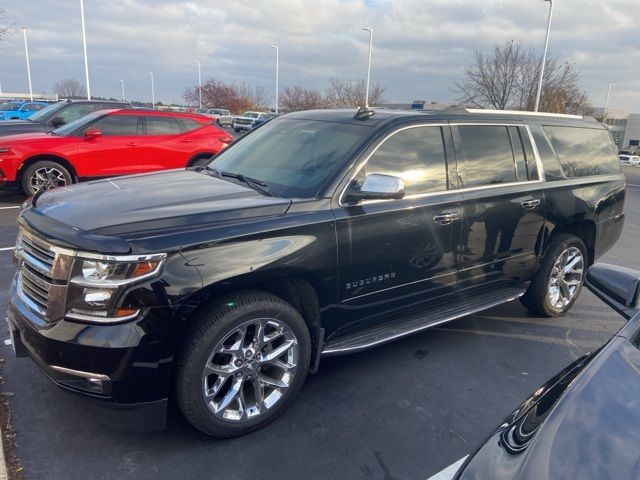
x=44 y=273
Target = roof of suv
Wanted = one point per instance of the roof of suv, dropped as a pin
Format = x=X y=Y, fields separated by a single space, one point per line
x=157 y=113
x=386 y=115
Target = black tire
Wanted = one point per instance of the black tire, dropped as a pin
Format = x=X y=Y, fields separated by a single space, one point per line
x=58 y=172
x=200 y=160
x=210 y=325
x=536 y=299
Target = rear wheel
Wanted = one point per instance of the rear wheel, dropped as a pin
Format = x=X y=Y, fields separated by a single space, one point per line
x=557 y=284
x=200 y=160
x=244 y=360
x=44 y=175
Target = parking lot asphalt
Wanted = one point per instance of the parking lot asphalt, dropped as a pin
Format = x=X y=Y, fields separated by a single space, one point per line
x=402 y=411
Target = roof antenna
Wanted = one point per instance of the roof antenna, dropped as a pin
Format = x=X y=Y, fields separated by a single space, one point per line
x=364 y=113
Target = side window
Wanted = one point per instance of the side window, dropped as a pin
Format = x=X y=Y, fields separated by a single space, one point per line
x=488 y=156
x=75 y=111
x=117 y=125
x=162 y=126
x=32 y=107
x=189 y=124
x=583 y=151
x=416 y=155
x=526 y=168
x=550 y=163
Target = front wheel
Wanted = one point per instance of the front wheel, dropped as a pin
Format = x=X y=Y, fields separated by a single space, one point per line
x=44 y=175
x=557 y=284
x=243 y=360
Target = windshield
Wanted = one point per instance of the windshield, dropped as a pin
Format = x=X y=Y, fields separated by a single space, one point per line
x=294 y=158
x=43 y=114
x=9 y=106
x=250 y=114
x=76 y=124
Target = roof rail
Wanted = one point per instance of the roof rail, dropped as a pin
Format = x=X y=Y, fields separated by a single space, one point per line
x=520 y=112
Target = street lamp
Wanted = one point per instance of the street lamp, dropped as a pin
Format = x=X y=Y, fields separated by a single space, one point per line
x=606 y=104
x=277 y=72
x=26 y=54
x=544 y=56
x=84 y=46
x=122 y=86
x=199 y=84
x=366 y=94
x=153 y=93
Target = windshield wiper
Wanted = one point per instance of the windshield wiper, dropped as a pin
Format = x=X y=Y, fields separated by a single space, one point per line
x=254 y=183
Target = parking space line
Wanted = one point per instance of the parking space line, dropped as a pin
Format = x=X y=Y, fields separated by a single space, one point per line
x=4 y=249
x=12 y=206
x=450 y=471
x=632 y=185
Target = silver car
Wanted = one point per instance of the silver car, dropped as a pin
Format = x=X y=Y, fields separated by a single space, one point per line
x=222 y=116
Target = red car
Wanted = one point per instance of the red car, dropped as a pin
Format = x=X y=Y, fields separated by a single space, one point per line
x=108 y=143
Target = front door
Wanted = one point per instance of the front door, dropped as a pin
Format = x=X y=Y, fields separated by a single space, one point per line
x=502 y=214
x=395 y=253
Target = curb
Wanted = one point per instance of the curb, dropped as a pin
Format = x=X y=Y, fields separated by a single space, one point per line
x=3 y=463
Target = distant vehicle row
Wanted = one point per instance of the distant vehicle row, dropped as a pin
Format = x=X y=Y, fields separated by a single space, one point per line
x=20 y=110
x=108 y=143
x=633 y=160
x=249 y=120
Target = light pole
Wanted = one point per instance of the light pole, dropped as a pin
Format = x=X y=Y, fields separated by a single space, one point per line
x=366 y=94
x=277 y=72
x=544 y=56
x=199 y=84
x=84 y=46
x=122 y=86
x=606 y=104
x=26 y=54
x=153 y=93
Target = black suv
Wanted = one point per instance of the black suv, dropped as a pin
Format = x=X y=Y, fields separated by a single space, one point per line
x=56 y=115
x=320 y=233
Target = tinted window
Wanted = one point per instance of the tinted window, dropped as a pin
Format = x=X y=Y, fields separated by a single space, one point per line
x=295 y=158
x=583 y=151
x=75 y=111
x=33 y=107
x=162 y=126
x=551 y=165
x=488 y=155
x=189 y=124
x=114 y=125
x=9 y=107
x=526 y=168
x=417 y=156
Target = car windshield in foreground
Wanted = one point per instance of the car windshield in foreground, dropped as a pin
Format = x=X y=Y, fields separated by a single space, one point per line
x=43 y=114
x=292 y=158
x=9 y=107
x=76 y=124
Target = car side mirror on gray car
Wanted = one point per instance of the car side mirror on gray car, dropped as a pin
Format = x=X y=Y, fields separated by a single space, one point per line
x=618 y=287
x=377 y=186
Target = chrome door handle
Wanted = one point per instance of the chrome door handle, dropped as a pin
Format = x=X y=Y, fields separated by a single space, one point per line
x=530 y=204
x=446 y=218
x=133 y=144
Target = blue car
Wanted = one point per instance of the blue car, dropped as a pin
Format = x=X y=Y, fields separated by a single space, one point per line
x=20 y=110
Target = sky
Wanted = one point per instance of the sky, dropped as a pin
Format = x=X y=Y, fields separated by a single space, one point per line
x=420 y=47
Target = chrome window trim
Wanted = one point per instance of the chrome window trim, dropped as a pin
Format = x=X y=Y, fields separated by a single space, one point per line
x=80 y=373
x=536 y=154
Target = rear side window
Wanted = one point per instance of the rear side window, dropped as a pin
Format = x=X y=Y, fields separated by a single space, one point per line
x=583 y=151
x=417 y=156
x=551 y=165
x=488 y=155
x=189 y=124
x=162 y=126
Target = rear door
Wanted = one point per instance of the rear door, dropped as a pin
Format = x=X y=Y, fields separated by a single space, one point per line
x=395 y=253
x=502 y=209
x=117 y=152
x=166 y=144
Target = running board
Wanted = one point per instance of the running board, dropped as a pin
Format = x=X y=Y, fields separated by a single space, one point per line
x=393 y=329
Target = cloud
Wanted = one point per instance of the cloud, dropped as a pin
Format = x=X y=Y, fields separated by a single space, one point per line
x=420 y=47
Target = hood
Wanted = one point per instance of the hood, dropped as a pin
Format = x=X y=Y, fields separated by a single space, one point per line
x=15 y=138
x=146 y=205
x=13 y=127
x=591 y=433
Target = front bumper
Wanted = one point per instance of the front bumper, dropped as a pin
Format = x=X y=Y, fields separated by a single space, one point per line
x=118 y=367
x=243 y=126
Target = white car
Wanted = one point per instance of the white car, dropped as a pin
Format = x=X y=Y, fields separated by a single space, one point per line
x=222 y=116
x=633 y=160
x=247 y=120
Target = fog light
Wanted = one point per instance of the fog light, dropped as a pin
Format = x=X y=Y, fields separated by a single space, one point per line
x=93 y=296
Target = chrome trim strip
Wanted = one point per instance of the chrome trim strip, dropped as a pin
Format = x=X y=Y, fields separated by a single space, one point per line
x=80 y=373
x=33 y=306
x=85 y=282
x=328 y=352
x=100 y=320
x=536 y=154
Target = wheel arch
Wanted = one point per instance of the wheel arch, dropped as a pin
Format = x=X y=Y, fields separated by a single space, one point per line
x=48 y=158
x=199 y=156
x=584 y=229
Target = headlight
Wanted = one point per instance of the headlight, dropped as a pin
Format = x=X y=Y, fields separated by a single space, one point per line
x=98 y=283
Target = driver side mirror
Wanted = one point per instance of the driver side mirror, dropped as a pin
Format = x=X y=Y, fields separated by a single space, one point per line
x=57 y=122
x=618 y=287
x=377 y=186
x=92 y=134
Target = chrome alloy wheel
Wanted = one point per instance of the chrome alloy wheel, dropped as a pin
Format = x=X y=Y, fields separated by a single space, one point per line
x=566 y=277
x=46 y=178
x=250 y=370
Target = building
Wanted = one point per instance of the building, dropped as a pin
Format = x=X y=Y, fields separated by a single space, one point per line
x=624 y=127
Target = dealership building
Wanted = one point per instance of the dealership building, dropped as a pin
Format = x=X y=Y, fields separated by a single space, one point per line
x=624 y=127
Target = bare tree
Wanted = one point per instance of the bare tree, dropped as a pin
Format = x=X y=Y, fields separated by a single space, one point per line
x=254 y=97
x=298 y=98
x=70 y=88
x=344 y=93
x=507 y=78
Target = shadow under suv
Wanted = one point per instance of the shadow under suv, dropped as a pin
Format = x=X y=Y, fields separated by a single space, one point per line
x=320 y=233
